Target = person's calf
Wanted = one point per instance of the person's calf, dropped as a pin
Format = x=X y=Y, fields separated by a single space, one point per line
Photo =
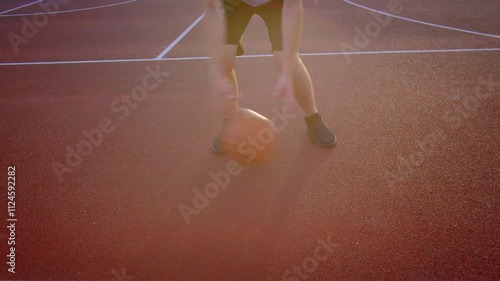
x=304 y=91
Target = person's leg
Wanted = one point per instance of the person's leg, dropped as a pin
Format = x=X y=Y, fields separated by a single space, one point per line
x=304 y=91
x=233 y=21
x=237 y=18
x=236 y=21
x=304 y=95
x=223 y=82
x=237 y=15
x=229 y=98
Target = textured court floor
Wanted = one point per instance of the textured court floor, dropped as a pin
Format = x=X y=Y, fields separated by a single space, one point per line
x=411 y=191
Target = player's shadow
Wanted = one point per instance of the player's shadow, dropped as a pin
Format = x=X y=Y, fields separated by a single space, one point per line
x=306 y=162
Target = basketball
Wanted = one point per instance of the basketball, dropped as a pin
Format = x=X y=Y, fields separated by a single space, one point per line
x=249 y=139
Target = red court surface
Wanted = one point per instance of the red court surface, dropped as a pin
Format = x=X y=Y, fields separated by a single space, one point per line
x=410 y=192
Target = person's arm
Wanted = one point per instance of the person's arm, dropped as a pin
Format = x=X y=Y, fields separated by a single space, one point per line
x=223 y=88
x=292 y=19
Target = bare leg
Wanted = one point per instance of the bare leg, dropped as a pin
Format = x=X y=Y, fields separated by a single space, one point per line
x=229 y=97
x=304 y=95
x=304 y=92
x=222 y=76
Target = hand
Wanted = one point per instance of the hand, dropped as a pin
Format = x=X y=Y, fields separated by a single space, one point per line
x=284 y=89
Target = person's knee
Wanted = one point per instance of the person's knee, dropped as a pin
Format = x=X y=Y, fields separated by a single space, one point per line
x=228 y=69
x=227 y=58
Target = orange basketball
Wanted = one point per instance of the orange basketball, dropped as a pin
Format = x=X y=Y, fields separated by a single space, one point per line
x=249 y=139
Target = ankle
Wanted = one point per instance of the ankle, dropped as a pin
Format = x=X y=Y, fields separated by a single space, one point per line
x=312 y=119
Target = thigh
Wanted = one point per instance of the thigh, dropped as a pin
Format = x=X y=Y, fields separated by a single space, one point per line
x=238 y=15
x=271 y=14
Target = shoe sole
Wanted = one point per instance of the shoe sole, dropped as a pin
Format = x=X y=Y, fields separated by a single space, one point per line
x=323 y=145
x=215 y=150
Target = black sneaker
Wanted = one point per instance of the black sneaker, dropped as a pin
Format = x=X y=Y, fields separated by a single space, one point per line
x=217 y=147
x=319 y=133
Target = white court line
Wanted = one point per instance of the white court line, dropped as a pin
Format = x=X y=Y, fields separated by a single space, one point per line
x=70 y=11
x=171 y=46
x=253 y=56
x=17 y=8
x=423 y=22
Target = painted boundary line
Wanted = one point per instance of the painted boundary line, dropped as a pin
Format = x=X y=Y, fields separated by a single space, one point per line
x=171 y=46
x=70 y=11
x=256 y=56
x=423 y=22
x=20 y=7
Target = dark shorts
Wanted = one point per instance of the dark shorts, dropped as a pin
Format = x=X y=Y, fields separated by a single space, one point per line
x=239 y=13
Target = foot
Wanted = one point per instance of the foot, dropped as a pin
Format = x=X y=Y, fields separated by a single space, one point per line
x=217 y=147
x=319 y=133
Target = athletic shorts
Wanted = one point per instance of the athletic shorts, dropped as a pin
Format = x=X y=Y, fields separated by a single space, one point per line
x=239 y=13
